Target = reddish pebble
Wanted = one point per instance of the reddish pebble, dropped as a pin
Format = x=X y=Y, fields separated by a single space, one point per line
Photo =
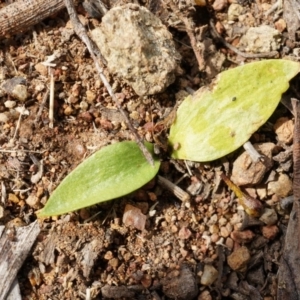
x=134 y=217
x=239 y=259
x=184 y=233
x=106 y=124
x=86 y=116
x=146 y=281
x=219 y=5
x=241 y=237
x=270 y=232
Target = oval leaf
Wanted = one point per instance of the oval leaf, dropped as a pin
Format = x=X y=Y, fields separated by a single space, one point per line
x=212 y=123
x=111 y=172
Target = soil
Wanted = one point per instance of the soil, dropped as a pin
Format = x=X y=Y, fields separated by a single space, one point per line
x=205 y=249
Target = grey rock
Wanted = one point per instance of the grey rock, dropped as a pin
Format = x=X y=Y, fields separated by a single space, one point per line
x=138 y=48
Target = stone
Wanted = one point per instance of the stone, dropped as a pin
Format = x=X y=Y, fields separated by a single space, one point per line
x=270 y=232
x=219 y=5
x=180 y=284
x=269 y=216
x=234 y=11
x=209 y=276
x=242 y=237
x=134 y=217
x=10 y=104
x=284 y=128
x=138 y=48
x=16 y=87
x=260 y=39
x=239 y=259
x=247 y=172
x=281 y=187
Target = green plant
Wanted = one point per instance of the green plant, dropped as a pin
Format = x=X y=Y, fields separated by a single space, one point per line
x=209 y=124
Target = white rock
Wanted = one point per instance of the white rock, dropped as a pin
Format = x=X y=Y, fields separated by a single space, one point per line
x=234 y=11
x=210 y=274
x=3 y=118
x=10 y=104
x=260 y=39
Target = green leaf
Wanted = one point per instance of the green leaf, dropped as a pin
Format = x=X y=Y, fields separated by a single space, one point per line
x=111 y=172
x=212 y=123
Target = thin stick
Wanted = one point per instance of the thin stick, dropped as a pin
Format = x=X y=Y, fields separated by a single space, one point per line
x=216 y=35
x=288 y=273
x=18 y=123
x=255 y=156
x=39 y=113
x=190 y=30
x=81 y=32
x=21 y=150
x=51 y=101
x=176 y=190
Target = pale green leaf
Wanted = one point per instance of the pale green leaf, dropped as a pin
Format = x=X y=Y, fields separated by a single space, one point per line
x=111 y=172
x=212 y=123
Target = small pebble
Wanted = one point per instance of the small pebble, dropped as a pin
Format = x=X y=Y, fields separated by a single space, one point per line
x=247 y=172
x=13 y=198
x=10 y=104
x=224 y=232
x=3 y=118
x=134 y=217
x=239 y=259
x=282 y=187
x=284 y=128
x=174 y=229
x=84 y=214
x=241 y=237
x=219 y=5
x=234 y=11
x=108 y=255
x=205 y=295
x=214 y=237
x=175 y=281
x=214 y=229
x=209 y=276
x=222 y=221
x=32 y=200
x=280 y=25
x=42 y=69
x=269 y=216
x=261 y=39
x=270 y=232
x=146 y=281
x=2 y=212
x=68 y=111
x=229 y=243
x=84 y=105
x=90 y=97
x=114 y=262
x=16 y=87
x=184 y=233
x=40 y=192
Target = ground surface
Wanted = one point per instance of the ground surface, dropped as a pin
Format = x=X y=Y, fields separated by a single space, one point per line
x=186 y=251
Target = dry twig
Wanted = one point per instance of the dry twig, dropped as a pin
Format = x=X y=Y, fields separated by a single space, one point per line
x=288 y=274
x=190 y=30
x=176 y=190
x=20 y=15
x=217 y=36
x=81 y=32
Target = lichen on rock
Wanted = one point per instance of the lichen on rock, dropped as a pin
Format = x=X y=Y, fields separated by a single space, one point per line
x=138 y=48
